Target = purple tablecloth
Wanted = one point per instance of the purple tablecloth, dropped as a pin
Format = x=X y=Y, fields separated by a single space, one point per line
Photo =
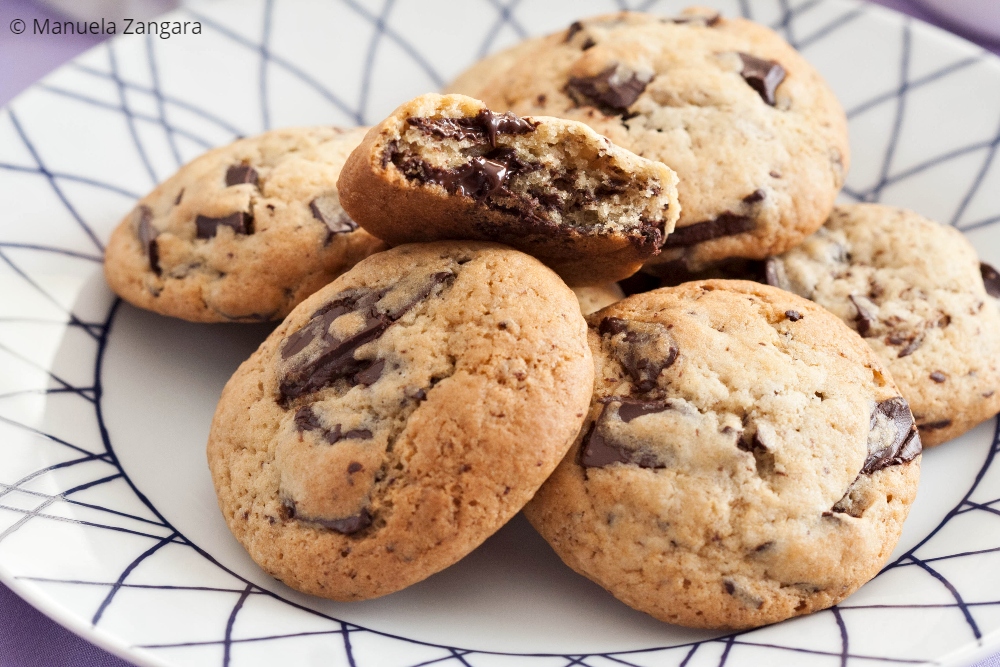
x=28 y=638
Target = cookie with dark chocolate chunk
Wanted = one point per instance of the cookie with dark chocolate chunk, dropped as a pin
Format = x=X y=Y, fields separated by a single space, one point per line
x=757 y=138
x=447 y=167
x=244 y=232
x=918 y=294
x=746 y=458
x=400 y=416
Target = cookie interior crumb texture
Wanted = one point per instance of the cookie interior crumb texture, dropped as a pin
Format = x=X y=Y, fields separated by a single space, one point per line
x=400 y=416
x=747 y=458
x=757 y=138
x=447 y=167
x=243 y=233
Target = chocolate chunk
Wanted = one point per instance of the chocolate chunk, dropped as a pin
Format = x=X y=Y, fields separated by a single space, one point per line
x=711 y=21
x=596 y=451
x=893 y=439
x=912 y=346
x=180 y=195
x=480 y=178
x=629 y=410
x=991 y=279
x=793 y=315
x=326 y=209
x=238 y=174
x=349 y=525
x=935 y=426
x=333 y=359
x=241 y=223
x=588 y=43
x=644 y=349
x=764 y=76
x=354 y=467
x=612 y=91
x=757 y=195
x=938 y=377
x=866 y=314
x=147 y=237
x=371 y=374
x=307 y=420
x=484 y=124
x=727 y=224
x=574 y=28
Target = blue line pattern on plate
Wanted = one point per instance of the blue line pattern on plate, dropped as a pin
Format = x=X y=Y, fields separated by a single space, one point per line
x=158 y=534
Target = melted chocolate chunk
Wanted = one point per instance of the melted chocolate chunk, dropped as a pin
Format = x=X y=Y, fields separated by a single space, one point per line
x=147 y=238
x=480 y=178
x=793 y=315
x=893 y=439
x=912 y=346
x=485 y=124
x=348 y=525
x=727 y=224
x=991 y=279
x=307 y=420
x=643 y=349
x=337 y=434
x=333 y=359
x=935 y=426
x=757 y=195
x=241 y=223
x=764 y=76
x=629 y=410
x=611 y=91
x=938 y=377
x=326 y=209
x=238 y=174
x=866 y=313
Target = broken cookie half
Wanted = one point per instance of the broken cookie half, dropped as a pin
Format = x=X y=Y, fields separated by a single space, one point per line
x=447 y=167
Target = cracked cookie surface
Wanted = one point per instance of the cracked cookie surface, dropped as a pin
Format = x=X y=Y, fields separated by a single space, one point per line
x=757 y=138
x=242 y=233
x=746 y=458
x=914 y=289
x=447 y=167
x=400 y=416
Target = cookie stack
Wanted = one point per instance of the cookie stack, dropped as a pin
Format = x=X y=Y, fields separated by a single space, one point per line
x=730 y=446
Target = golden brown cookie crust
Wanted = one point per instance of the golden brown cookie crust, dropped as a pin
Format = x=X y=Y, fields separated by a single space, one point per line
x=484 y=381
x=730 y=496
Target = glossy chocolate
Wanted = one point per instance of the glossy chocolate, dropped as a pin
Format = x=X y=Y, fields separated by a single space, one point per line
x=240 y=222
x=239 y=174
x=644 y=349
x=607 y=91
x=764 y=76
x=484 y=124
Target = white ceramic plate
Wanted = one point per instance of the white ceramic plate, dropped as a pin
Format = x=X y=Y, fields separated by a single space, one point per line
x=108 y=521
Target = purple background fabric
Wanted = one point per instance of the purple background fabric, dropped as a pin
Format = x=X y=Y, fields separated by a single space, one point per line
x=27 y=637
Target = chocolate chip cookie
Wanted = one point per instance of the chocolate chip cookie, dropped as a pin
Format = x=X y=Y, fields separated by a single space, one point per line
x=757 y=138
x=400 y=416
x=242 y=233
x=914 y=289
x=746 y=458
x=446 y=167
